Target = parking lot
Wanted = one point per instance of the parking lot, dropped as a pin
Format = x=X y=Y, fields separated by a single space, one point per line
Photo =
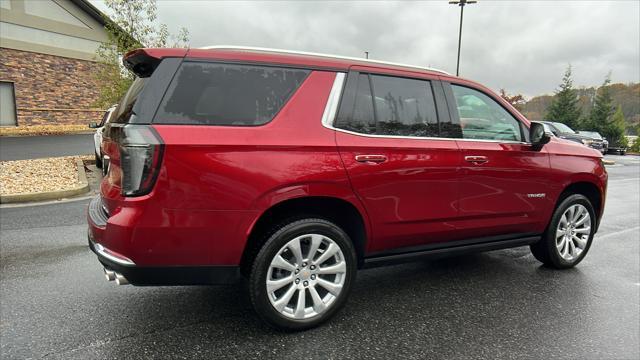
x=55 y=302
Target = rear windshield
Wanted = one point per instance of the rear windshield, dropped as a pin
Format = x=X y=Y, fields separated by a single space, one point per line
x=227 y=94
x=592 y=134
x=125 y=108
x=563 y=128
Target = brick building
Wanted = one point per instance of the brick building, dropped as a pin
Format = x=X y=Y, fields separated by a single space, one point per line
x=46 y=57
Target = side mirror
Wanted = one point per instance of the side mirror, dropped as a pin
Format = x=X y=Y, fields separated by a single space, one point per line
x=93 y=125
x=538 y=135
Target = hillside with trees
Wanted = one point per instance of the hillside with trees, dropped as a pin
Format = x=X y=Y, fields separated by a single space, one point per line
x=624 y=96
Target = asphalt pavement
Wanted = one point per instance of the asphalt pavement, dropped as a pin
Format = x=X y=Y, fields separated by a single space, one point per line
x=32 y=147
x=55 y=302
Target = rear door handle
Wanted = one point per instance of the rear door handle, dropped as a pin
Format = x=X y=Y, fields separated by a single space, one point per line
x=476 y=159
x=376 y=159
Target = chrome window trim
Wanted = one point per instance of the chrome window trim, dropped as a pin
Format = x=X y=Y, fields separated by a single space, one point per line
x=331 y=110
x=333 y=102
x=249 y=48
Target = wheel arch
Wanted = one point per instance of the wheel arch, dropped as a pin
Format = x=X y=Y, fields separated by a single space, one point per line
x=588 y=189
x=337 y=210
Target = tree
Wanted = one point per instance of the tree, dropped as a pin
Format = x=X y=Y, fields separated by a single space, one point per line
x=635 y=147
x=132 y=26
x=564 y=107
x=606 y=119
x=517 y=101
x=614 y=129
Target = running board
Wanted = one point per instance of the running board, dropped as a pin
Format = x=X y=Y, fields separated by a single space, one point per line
x=453 y=250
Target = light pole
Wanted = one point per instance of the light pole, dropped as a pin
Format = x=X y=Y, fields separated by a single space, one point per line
x=461 y=3
x=366 y=54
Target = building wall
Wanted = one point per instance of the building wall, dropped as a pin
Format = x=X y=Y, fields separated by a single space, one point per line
x=54 y=27
x=47 y=50
x=50 y=89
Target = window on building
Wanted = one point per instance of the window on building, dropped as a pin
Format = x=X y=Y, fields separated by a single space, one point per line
x=7 y=104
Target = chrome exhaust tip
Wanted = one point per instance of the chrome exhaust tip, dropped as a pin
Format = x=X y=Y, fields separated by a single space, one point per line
x=109 y=274
x=121 y=280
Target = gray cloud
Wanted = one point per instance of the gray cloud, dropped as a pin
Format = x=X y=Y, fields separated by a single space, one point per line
x=521 y=46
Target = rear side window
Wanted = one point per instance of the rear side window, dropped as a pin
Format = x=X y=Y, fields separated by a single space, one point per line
x=404 y=107
x=386 y=105
x=361 y=117
x=226 y=94
x=125 y=111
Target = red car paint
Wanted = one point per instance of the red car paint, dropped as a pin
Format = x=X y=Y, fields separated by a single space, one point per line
x=215 y=182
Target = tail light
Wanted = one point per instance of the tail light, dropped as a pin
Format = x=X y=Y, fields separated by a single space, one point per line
x=141 y=151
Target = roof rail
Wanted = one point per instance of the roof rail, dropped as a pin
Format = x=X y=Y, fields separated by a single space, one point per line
x=249 y=48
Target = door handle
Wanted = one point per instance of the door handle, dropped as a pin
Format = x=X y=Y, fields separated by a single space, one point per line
x=477 y=160
x=375 y=159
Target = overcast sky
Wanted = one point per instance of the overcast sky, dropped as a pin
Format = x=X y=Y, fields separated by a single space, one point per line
x=522 y=46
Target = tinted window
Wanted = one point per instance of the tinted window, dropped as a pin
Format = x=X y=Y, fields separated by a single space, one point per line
x=403 y=107
x=360 y=117
x=224 y=94
x=124 y=111
x=481 y=117
x=563 y=128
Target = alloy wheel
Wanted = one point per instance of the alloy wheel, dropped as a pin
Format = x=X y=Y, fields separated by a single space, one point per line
x=306 y=276
x=573 y=231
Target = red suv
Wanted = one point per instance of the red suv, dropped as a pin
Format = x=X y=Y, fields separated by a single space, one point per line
x=294 y=170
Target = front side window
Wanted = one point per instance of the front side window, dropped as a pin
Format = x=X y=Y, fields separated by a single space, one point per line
x=483 y=118
x=386 y=105
x=227 y=94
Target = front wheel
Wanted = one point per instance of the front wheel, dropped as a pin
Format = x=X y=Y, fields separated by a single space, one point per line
x=303 y=274
x=569 y=235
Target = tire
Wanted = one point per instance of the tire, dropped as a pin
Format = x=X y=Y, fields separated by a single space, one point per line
x=622 y=152
x=98 y=160
x=318 y=307
x=572 y=243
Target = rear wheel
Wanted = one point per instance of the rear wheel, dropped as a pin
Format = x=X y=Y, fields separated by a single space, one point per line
x=569 y=235
x=303 y=274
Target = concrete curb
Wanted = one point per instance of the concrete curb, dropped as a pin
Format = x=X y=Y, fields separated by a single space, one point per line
x=51 y=195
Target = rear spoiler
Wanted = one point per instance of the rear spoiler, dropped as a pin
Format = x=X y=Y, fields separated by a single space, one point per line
x=143 y=62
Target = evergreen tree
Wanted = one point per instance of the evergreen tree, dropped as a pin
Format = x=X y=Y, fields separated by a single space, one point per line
x=564 y=107
x=614 y=129
x=635 y=147
x=602 y=110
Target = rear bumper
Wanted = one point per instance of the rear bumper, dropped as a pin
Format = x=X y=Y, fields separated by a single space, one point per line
x=118 y=249
x=153 y=236
x=173 y=275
